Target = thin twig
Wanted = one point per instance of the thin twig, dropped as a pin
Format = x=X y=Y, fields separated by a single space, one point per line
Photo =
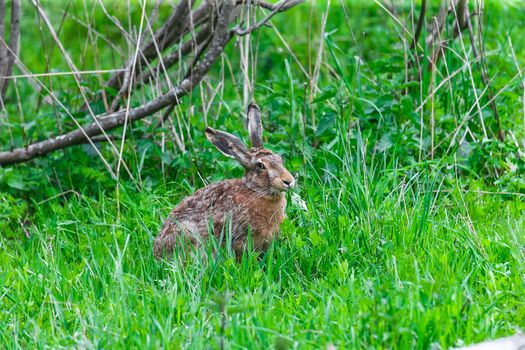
x=420 y=22
x=281 y=6
x=60 y=195
x=482 y=66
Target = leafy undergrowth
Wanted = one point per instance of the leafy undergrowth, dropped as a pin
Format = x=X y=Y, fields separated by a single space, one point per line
x=372 y=258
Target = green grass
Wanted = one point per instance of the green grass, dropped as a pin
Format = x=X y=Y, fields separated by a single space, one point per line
x=373 y=262
x=384 y=247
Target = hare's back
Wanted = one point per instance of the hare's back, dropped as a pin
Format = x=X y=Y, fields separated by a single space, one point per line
x=216 y=198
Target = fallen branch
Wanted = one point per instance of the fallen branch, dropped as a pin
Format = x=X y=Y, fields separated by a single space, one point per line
x=79 y=136
x=219 y=38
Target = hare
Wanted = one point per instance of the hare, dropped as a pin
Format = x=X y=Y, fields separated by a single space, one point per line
x=255 y=204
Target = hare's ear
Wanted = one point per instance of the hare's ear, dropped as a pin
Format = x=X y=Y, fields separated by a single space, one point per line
x=229 y=145
x=253 y=120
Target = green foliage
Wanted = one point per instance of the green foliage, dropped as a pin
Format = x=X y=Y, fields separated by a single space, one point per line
x=397 y=236
x=373 y=252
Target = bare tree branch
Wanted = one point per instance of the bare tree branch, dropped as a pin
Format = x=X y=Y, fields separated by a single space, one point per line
x=281 y=6
x=164 y=38
x=420 y=22
x=169 y=32
x=217 y=40
x=440 y=22
x=174 y=57
x=460 y=24
x=462 y=10
x=265 y=5
x=14 y=42
x=7 y=54
x=3 y=44
x=106 y=123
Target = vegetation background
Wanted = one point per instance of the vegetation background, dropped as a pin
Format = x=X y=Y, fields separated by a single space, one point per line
x=406 y=229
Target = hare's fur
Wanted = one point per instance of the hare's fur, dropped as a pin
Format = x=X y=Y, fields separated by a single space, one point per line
x=255 y=204
x=214 y=207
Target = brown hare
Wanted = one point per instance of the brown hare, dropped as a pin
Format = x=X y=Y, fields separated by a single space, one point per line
x=253 y=204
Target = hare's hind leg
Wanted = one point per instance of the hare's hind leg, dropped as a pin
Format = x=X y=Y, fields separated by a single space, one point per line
x=180 y=237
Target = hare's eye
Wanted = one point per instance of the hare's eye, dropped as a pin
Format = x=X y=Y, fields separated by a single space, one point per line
x=259 y=166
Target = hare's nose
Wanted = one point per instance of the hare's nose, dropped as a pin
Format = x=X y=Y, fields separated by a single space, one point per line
x=288 y=183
